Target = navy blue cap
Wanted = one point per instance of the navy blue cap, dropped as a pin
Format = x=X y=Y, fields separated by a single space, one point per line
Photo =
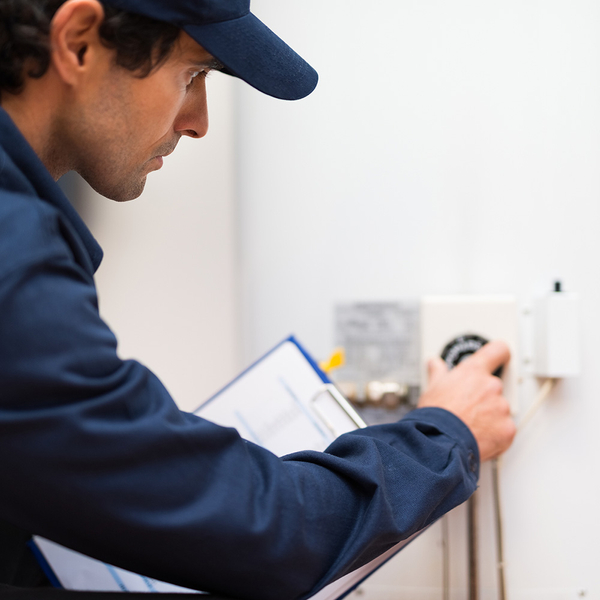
x=234 y=36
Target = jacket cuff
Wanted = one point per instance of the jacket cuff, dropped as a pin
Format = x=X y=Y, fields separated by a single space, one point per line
x=451 y=425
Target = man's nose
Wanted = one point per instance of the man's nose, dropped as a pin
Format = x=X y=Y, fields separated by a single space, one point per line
x=192 y=119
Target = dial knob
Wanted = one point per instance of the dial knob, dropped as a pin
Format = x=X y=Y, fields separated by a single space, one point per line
x=462 y=347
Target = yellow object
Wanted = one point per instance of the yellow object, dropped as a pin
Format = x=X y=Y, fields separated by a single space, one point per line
x=335 y=361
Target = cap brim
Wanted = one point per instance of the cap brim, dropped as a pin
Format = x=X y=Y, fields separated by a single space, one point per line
x=251 y=51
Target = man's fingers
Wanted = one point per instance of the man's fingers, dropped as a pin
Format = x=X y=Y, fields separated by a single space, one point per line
x=491 y=356
x=436 y=368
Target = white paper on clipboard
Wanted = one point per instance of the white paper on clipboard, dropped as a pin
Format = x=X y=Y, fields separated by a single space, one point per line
x=75 y=571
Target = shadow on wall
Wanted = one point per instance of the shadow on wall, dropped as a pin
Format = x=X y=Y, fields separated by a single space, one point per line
x=73 y=186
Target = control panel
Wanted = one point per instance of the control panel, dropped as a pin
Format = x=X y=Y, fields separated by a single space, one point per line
x=454 y=327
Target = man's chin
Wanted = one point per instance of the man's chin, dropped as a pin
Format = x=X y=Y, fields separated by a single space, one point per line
x=135 y=191
x=121 y=193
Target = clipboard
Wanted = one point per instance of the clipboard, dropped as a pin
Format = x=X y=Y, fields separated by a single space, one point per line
x=283 y=402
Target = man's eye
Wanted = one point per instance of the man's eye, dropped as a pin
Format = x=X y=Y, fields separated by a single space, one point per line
x=196 y=74
x=193 y=76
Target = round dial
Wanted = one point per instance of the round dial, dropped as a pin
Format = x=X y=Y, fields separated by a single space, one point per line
x=462 y=347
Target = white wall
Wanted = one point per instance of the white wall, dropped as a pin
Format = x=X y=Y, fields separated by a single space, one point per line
x=168 y=282
x=451 y=147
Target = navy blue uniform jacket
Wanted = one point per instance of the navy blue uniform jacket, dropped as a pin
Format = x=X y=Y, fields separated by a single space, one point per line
x=96 y=456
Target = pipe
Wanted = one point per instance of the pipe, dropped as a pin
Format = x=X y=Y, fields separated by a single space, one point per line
x=499 y=528
x=473 y=546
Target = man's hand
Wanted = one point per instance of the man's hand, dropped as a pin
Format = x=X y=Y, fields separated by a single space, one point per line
x=473 y=394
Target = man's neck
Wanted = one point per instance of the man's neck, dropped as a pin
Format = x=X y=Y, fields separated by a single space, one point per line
x=32 y=113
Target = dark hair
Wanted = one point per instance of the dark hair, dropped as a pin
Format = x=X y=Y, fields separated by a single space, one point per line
x=141 y=43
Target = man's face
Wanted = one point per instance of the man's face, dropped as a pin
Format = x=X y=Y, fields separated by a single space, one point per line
x=121 y=125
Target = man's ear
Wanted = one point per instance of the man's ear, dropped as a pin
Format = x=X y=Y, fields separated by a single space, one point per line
x=75 y=39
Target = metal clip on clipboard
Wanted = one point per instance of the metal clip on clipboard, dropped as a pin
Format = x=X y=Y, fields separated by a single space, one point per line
x=333 y=392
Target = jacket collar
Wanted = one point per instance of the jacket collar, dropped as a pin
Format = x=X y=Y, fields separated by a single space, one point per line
x=29 y=164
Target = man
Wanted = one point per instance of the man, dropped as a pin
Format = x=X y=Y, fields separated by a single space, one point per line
x=95 y=454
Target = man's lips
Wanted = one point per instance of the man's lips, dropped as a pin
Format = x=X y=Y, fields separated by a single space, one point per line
x=164 y=151
x=160 y=157
x=154 y=164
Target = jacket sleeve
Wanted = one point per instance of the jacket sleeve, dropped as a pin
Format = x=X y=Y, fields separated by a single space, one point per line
x=96 y=456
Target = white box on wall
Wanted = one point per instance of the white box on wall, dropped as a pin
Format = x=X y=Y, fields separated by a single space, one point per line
x=557 y=335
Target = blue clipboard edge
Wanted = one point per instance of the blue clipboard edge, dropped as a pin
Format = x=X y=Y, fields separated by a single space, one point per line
x=291 y=339
x=41 y=559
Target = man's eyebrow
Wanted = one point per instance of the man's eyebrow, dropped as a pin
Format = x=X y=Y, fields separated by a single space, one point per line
x=212 y=64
